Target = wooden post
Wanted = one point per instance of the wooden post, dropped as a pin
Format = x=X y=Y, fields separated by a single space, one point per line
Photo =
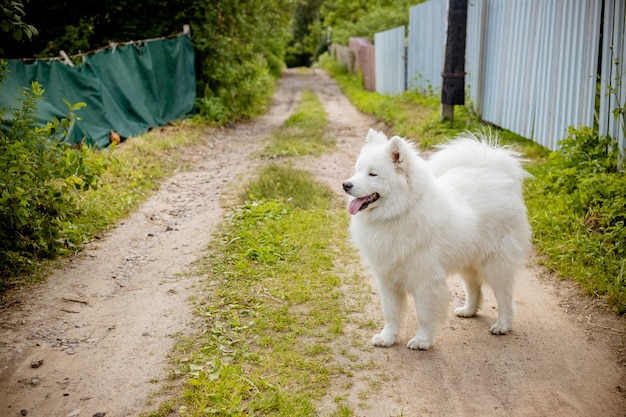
x=453 y=88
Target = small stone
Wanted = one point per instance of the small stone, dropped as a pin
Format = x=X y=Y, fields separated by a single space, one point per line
x=74 y=413
x=24 y=412
x=145 y=334
x=36 y=364
x=150 y=234
x=99 y=414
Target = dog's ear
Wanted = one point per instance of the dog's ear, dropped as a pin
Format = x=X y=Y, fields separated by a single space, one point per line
x=373 y=136
x=397 y=150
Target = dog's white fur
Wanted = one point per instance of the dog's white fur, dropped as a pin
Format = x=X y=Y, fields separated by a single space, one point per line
x=459 y=211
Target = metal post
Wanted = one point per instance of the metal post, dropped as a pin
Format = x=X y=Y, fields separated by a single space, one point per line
x=453 y=87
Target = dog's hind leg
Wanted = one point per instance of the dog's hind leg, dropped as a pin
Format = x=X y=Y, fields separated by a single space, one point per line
x=393 y=301
x=473 y=293
x=431 y=304
x=501 y=281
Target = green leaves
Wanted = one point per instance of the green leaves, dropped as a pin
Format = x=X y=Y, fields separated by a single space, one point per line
x=11 y=15
x=39 y=177
x=577 y=203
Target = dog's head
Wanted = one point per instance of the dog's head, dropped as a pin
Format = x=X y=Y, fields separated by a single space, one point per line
x=382 y=175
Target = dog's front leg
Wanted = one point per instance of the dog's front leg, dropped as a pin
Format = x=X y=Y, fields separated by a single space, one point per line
x=431 y=303
x=394 y=303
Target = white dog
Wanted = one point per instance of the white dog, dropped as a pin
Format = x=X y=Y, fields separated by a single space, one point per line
x=417 y=221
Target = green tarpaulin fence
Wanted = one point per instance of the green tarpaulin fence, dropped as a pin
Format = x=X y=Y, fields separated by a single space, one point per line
x=128 y=89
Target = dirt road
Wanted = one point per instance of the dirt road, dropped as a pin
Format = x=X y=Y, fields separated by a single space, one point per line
x=104 y=324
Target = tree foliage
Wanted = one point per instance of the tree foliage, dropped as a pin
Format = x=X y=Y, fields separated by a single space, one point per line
x=316 y=22
x=239 y=44
x=364 y=18
x=240 y=47
x=12 y=23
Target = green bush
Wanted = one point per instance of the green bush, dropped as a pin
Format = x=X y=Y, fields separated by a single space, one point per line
x=577 y=203
x=40 y=176
x=239 y=51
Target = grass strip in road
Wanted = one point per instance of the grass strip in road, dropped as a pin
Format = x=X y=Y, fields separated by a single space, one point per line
x=272 y=302
x=304 y=132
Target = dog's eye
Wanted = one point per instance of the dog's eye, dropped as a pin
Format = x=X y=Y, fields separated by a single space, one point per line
x=373 y=174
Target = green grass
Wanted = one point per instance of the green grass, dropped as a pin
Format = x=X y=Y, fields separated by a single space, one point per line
x=272 y=302
x=578 y=240
x=136 y=169
x=304 y=132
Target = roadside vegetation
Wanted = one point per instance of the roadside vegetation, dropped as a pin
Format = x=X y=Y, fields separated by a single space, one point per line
x=56 y=198
x=576 y=200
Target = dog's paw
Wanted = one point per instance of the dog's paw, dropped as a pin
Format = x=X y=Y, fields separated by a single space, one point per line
x=383 y=340
x=418 y=344
x=500 y=329
x=464 y=312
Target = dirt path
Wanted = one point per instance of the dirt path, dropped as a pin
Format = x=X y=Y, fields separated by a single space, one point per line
x=104 y=324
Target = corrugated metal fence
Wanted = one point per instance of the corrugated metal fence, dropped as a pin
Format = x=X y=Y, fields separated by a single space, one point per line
x=532 y=66
x=390 y=61
x=426 y=46
x=539 y=65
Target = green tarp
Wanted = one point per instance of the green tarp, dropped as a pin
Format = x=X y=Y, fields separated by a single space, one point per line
x=128 y=89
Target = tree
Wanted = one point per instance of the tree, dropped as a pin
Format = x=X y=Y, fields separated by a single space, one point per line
x=12 y=23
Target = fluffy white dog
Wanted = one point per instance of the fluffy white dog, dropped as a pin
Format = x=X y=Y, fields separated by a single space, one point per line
x=417 y=221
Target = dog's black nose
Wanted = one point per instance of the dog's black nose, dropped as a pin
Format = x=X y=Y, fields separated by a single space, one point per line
x=347 y=186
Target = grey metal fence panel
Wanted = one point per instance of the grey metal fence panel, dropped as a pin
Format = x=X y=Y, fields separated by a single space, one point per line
x=569 y=39
x=510 y=42
x=426 y=45
x=390 y=61
x=612 y=75
x=540 y=59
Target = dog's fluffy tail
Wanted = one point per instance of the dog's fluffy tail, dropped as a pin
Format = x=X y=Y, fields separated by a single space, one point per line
x=478 y=150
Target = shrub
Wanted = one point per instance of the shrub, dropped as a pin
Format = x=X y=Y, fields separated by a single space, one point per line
x=577 y=203
x=39 y=178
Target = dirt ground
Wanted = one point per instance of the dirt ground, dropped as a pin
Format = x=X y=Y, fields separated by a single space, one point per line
x=95 y=337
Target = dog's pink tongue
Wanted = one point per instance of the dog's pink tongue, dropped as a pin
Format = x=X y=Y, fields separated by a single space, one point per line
x=355 y=205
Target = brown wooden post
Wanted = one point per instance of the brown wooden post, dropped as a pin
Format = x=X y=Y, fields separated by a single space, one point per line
x=453 y=87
